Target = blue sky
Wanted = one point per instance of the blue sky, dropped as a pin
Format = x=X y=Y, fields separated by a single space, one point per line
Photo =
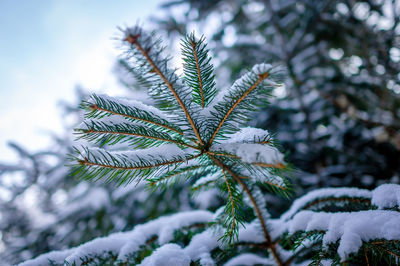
x=47 y=47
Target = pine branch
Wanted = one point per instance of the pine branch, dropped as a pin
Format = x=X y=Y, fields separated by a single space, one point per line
x=136 y=77
x=246 y=93
x=379 y=244
x=268 y=239
x=366 y=256
x=127 y=166
x=270 y=165
x=231 y=210
x=198 y=70
x=104 y=106
x=133 y=39
x=236 y=103
x=190 y=118
x=270 y=178
x=110 y=132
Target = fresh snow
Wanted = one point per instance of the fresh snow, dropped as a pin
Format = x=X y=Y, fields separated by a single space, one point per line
x=133 y=104
x=244 y=145
x=126 y=243
x=301 y=202
x=386 y=196
x=167 y=255
x=351 y=229
x=165 y=152
x=247 y=134
x=205 y=199
x=247 y=259
x=55 y=256
x=260 y=69
x=251 y=232
x=252 y=153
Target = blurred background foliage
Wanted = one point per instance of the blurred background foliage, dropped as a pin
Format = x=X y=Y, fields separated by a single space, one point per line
x=338 y=116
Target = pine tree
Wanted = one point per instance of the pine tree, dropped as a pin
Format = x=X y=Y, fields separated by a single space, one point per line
x=202 y=138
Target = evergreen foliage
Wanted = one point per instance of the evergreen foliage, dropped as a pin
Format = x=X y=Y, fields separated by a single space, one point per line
x=198 y=70
x=336 y=226
x=337 y=118
x=195 y=146
x=338 y=114
x=330 y=226
x=68 y=212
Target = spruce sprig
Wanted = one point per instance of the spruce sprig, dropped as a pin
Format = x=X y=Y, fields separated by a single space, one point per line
x=192 y=133
x=145 y=53
x=103 y=106
x=198 y=70
x=110 y=132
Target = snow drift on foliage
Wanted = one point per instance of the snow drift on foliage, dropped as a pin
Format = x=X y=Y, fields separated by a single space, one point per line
x=348 y=229
x=351 y=229
x=126 y=243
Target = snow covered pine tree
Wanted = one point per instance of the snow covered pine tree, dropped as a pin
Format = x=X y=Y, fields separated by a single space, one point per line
x=198 y=133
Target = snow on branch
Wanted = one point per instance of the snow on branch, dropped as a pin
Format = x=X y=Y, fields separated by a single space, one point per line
x=343 y=234
x=323 y=195
x=249 y=135
x=181 y=129
x=99 y=106
x=386 y=196
x=350 y=229
x=198 y=69
x=127 y=243
x=252 y=153
x=248 y=259
x=113 y=131
x=127 y=165
x=145 y=53
x=233 y=106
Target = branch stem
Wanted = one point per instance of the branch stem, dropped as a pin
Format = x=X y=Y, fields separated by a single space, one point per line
x=92 y=131
x=198 y=72
x=232 y=202
x=270 y=244
x=86 y=162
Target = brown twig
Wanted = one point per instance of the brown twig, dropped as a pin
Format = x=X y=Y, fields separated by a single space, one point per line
x=93 y=131
x=232 y=202
x=366 y=256
x=85 y=161
x=198 y=73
